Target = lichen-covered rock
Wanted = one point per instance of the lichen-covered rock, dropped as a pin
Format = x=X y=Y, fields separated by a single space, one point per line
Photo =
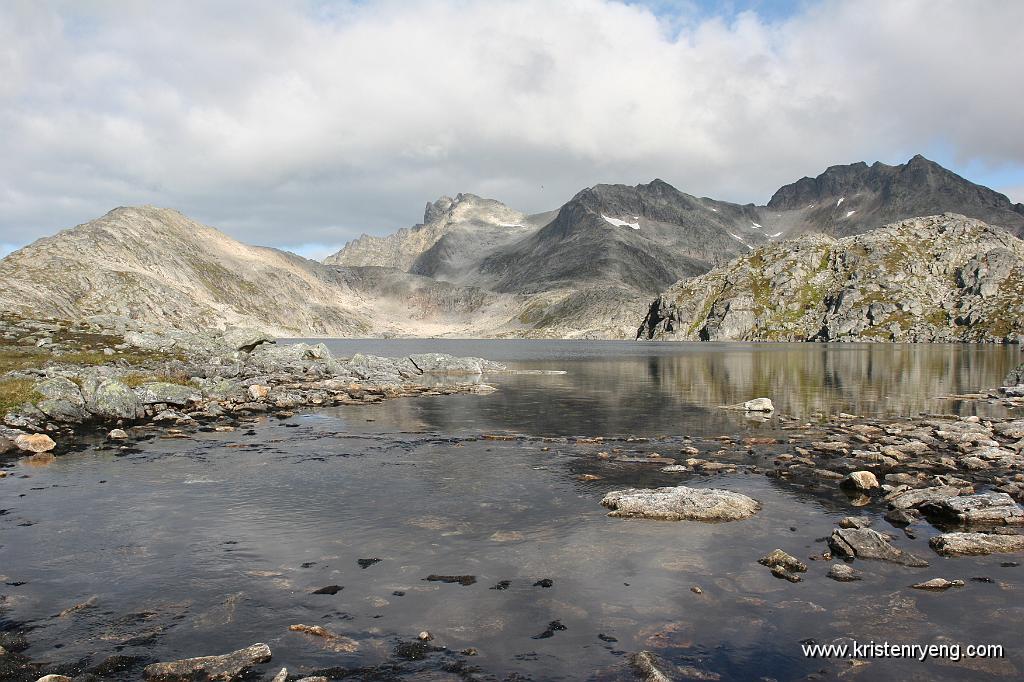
x=227 y=667
x=976 y=544
x=680 y=503
x=113 y=400
x=865 y=543
x=61 y=399
x=164 y=392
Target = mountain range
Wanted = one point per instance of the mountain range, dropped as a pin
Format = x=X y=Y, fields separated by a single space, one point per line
x=473 y=266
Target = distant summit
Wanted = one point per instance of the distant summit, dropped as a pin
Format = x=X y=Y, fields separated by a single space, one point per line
x=852 y=199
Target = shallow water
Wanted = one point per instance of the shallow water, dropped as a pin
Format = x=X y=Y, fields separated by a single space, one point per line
x=648 y=388
x=208 y=544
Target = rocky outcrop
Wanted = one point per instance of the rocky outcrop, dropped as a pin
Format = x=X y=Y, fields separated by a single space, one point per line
x=938 y=278
x=680 y=503
x=182 y=377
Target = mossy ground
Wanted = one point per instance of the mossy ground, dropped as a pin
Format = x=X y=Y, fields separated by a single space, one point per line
x=16 y=392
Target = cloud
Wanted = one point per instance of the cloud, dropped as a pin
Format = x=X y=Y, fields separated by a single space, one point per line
x=308 y=123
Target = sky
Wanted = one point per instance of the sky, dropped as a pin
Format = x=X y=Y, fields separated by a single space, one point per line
x=302 y=124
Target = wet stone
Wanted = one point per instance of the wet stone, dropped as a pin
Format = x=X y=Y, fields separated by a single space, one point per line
x=464 y=580
x=330 y=589
x=680 y=503
x=228 y=667
x=843 y=573
x=865 y=543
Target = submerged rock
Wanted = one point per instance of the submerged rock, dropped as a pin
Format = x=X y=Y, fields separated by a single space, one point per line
x=937 y=584
x=680 y=503
x=227 y=667
x=865 y=543
x=646 y=665
x=976 y=544
x=843 y=573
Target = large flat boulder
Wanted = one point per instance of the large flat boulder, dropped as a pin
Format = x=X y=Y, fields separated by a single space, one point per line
x=680 y=503
x=976 y=544
x=912 y=499
x=986 y=509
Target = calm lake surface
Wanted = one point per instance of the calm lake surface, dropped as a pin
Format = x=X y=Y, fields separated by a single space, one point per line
x=213 y=542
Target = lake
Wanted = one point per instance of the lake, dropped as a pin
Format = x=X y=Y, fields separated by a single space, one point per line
x=208 y=543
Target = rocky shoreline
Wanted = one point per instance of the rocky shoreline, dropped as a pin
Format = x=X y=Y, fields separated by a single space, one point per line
x=67 y=380
x=958 y=475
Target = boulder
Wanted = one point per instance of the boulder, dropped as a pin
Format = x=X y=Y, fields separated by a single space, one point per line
x=859 y=480
x=61 y=400
x=227 y=667
x=976 y=544
x=34 y=442
x=865 y=543
x=164 y=392
x=989 y=509
x=259 y=392
x=680 y=503
x=113 y=400
x=117 y=434
x=777 y=557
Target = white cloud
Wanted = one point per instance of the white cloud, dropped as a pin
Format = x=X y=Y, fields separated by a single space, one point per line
x=290 y=122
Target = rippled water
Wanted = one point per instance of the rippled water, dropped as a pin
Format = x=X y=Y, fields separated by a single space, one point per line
x=211 y=543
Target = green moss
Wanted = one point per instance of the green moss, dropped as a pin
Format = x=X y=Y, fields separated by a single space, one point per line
x=16 y=392
x=136 y=380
